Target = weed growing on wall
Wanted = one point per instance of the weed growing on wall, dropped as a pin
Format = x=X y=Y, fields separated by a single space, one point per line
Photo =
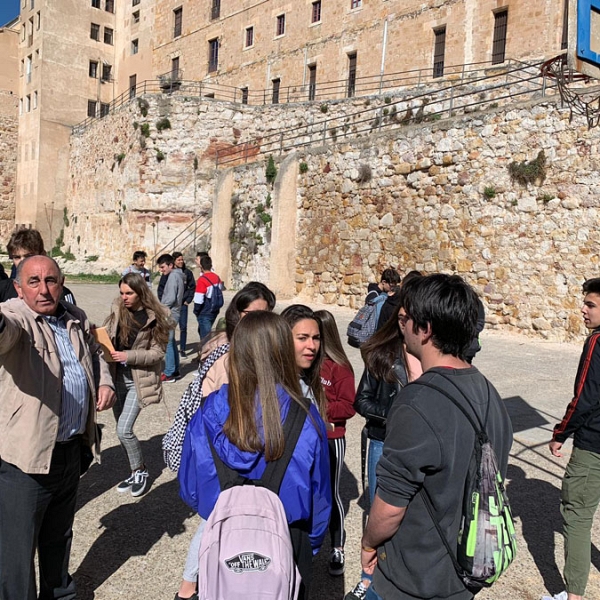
x=271 y=170
x=526 y=172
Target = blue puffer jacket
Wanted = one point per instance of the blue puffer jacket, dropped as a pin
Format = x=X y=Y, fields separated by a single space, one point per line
x=305 y=490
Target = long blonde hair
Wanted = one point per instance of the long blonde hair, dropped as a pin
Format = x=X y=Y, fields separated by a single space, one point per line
x=261 y=358
x=124 y=317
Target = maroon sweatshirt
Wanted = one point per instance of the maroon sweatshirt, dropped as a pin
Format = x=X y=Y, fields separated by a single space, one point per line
x=340 y=390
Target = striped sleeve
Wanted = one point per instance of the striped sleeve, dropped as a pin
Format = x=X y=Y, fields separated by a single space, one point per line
x=587 y=391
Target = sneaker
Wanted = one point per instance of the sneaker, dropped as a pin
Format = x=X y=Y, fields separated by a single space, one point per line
x=561 y=596
x=140 y=483
x=125 y=485
x=168 y=378
x=336 y=562
x=358 y=592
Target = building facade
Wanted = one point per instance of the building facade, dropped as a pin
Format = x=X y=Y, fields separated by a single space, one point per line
x=77 y=59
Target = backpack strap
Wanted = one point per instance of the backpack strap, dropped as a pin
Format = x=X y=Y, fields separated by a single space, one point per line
x=275 y=470
x=292 y=428
x=481 y=434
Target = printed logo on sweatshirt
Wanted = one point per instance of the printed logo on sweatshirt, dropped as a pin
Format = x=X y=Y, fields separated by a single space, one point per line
x=326 y=382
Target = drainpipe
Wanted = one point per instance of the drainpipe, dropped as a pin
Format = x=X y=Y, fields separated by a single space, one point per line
x=383 y=51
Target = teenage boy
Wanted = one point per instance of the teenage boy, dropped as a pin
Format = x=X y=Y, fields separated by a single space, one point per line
x=172 y=298
x=137 y=266
x=208 y=289
x=581 y=484
x=429 y=446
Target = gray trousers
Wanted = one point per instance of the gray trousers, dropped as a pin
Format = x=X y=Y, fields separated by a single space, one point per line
x=126 y=410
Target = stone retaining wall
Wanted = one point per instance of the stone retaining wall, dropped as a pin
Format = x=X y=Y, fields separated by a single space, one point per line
x=8 y=162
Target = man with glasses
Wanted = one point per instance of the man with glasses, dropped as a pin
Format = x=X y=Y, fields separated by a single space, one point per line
x=428 y=447
x=24 y=243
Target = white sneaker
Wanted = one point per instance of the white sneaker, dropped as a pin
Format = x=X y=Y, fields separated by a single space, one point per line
x=561 y=596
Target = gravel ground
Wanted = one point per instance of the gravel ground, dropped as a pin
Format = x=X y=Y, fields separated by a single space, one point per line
x=135 y=548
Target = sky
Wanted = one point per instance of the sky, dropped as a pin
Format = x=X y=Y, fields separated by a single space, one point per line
x=9 y=9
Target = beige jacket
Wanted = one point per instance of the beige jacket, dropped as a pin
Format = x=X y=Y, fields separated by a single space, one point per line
x=31 y=383
x=145 y=360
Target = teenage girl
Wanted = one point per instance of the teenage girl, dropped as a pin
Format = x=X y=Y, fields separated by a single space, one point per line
x=337 y=378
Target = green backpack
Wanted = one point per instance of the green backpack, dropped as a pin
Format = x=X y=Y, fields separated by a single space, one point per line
x=487 y=542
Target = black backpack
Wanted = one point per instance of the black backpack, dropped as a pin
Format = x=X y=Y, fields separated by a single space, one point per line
x=487 y=542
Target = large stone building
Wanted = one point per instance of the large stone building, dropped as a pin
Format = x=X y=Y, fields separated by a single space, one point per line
x=83 y=58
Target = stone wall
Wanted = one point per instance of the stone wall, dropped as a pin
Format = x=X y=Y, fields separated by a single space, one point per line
x=8 y=163
x=436 y=197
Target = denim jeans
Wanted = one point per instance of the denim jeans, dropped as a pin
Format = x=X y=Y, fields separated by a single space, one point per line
x=205 y=323
x=372 y=594
x=375 y=452
x=172 y=356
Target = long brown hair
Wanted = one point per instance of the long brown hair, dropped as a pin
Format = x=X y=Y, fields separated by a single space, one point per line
x=331 y=342
x=312 y=376
x=261 y=357
x=124 y=317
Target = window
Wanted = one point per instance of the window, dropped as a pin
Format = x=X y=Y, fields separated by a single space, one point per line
x=215 y=11
x=38 y=20
x=175 y=75
x=439 y=50
x=28 y=69
x=213 y=55
x=355 y=3
x=132 y=86
x=316 y=12
x=135 y=2
x=32 y=4
x=95 y=32
x=499 y=45
x=108 y=36
x=135 y=46
x=93 y=69
x=104 y=109
x=312 y=82
x=20 y=106
x=280 y=29
x=351 y=75
x=106 y=72
x=276 y=86
x=136 y=16
x=27 y=103
x=95 y=3
x=35 y=100
x=244 y=95
x=177 y=21
x=23 y=33
x=109 y=6
x=91 y=110
x=30 y=38
x=249 y=40
x=22 y=71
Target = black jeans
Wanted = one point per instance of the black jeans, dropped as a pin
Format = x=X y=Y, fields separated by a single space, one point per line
x=37 y=512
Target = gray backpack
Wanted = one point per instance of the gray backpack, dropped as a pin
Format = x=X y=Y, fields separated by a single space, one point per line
x=246 y=551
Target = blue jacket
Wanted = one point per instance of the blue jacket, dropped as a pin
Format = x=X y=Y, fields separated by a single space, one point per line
x=305 y=490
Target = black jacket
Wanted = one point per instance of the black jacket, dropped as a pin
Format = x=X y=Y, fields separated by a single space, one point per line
x=374 y=399
x=582 y=418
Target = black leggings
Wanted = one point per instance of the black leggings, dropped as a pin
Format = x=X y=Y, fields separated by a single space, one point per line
x=337 y=451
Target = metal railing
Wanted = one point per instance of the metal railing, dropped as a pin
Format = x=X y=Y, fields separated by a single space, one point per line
x=430 y=105
x=186 y=239
x=332 y=90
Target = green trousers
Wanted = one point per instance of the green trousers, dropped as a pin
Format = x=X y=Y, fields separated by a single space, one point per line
x=579 y=500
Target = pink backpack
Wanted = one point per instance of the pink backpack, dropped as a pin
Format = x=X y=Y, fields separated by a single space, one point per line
x=246 y=551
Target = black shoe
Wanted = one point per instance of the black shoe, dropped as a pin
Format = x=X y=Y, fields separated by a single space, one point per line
x=358 y=592
x=194 y=596
x=125 y=485
x=336 y=562
x=140 y=482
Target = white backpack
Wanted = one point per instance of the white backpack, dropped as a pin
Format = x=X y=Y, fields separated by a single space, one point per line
x=246 y=551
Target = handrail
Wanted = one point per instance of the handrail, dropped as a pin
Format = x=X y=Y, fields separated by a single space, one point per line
x=302 y=92
x=373 y=118
x=185 y=239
